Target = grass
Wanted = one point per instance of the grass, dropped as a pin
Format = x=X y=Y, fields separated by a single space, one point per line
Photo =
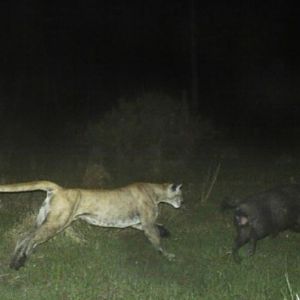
x=121 y=264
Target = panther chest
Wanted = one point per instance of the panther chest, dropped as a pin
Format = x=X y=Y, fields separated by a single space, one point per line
x=121 y=222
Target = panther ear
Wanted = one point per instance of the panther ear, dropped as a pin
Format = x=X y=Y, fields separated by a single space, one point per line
x=175 y=187
x=179 y=187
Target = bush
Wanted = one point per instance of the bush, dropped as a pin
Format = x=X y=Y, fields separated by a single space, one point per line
x=146 y=134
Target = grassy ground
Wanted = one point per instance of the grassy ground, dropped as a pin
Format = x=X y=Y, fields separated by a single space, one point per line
x=121 y=264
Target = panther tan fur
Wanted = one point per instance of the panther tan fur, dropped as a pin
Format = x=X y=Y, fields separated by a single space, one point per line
x=135 y=205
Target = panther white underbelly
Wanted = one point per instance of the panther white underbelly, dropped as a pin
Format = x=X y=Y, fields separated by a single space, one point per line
x=106 y=222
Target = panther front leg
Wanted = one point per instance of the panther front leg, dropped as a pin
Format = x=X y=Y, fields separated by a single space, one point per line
x=152 y=233
x=163 y=231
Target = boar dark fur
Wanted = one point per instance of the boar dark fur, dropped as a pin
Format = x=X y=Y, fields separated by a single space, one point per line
x=263 y=214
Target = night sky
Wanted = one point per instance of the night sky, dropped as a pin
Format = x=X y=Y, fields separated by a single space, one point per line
x=69 y=61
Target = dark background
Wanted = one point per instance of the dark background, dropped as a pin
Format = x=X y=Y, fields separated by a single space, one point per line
x=68 y=62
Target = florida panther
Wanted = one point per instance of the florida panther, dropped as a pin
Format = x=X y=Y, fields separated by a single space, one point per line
x=135 y=205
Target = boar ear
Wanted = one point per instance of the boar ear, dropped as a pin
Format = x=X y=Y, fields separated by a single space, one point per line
x=175 y=187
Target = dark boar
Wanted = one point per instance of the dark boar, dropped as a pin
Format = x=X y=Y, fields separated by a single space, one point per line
x=263 y=214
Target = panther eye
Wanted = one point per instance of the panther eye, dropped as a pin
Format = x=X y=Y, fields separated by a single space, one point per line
x=173 y=187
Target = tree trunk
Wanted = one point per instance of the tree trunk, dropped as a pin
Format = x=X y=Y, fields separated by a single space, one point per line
x=193 y=59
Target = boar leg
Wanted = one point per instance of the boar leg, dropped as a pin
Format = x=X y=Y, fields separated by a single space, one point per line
x=241 y=239
x=252 y=245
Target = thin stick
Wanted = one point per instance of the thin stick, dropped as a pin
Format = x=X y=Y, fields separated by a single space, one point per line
x=205 y=195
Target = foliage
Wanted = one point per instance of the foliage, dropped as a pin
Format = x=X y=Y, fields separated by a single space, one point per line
x=147 y=132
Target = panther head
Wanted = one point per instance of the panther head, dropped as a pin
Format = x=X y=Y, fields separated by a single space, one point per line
x=174 y=195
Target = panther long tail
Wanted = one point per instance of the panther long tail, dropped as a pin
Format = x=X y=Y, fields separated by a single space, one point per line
x=46 y=186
